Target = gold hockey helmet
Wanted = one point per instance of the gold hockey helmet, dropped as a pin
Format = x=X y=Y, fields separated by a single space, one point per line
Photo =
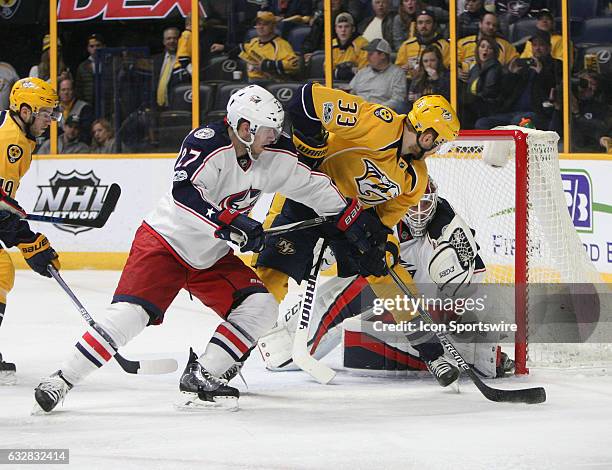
x=34 y=92
x=435 y=112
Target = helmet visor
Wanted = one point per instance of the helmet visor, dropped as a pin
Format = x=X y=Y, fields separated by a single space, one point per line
x=267 y=134
x=53 y=115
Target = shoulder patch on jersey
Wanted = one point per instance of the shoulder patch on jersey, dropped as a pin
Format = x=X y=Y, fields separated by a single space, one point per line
x=328 y=112
x=14 y=152
x=204 y=133
x=384 y=114
x=180 y=175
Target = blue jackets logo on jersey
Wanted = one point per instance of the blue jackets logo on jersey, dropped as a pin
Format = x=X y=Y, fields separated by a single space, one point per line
x=242 y=201
x=374 y=186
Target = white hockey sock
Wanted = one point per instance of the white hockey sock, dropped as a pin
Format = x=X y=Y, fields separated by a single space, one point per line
x=235 y=337
x=122 y=322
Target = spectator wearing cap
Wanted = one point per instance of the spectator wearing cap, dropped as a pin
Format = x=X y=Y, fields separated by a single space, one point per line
x=410 y=51
x=42 y=70
x=466 y=47
x=314 y=41
x=380 y=24
x=546 y=22
x=85 y=74
x=103 y=137
x=381 y=81
x=268 y=56
x=69 y=141
x=530 y=85
x=348 y=54
x=467 y=22
x=72 y=106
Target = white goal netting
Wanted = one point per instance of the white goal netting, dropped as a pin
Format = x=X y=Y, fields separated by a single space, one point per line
x=478 y=175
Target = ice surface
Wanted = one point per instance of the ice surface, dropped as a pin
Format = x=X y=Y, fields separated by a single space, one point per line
x=286 y=421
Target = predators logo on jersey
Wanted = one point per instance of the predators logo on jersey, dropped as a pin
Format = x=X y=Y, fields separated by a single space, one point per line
x=14 y=153
x=374 y=187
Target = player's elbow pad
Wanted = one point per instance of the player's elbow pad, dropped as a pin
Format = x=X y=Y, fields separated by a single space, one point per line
x=311 y=146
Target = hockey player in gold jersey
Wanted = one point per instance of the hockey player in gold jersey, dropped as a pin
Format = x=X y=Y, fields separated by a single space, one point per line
x=374 y=156
x=32 y=108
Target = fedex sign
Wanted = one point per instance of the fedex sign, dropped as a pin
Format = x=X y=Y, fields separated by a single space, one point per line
x=79 y=10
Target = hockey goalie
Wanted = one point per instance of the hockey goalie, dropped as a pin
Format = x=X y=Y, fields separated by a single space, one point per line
x=439 y=250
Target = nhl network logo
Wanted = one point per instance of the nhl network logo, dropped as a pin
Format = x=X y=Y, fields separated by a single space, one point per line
x=74 y=196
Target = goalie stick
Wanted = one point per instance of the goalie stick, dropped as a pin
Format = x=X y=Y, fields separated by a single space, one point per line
x=151 y=366
x=525 y=395
x=300 y=354
x=108 y=206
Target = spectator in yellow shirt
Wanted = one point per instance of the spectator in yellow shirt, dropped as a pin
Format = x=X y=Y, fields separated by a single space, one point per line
x=347 y=48
x=410 y=51
x=268 y=56
x=466 y=47
x=546 y=22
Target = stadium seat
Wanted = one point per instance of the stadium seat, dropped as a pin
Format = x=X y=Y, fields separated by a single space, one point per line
x=604 y=57
x=284 y=91
x=223 y=94
x=296 y=37
x=597 y=30
x=584 y=8
x=172 y=128
x=181 y=96
x=222 y=68
x=315 y=67
x=522 y=29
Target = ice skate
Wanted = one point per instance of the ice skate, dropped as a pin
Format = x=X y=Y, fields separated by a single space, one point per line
x=200 y=390
x=51 y=391
x=7 y=372
x=444 y=372
x=505 y=366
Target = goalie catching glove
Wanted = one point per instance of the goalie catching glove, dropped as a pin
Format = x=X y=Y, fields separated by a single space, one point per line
x=238 y=228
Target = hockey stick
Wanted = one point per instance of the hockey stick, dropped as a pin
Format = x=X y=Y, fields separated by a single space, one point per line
x=152 y=366
x=300 y=354
x=110 y=202
x=525 y=395
x=240 y=238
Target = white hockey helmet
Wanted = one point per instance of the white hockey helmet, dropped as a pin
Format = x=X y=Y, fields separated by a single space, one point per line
x=418 y=217
x=257 y=106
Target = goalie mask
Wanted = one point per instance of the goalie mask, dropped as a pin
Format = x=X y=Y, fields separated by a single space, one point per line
x=419 y=216
x=260 y=108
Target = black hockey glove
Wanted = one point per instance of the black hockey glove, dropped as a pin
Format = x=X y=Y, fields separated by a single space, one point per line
x=12 y=228
x=240 y=229
x=39 y=254
x=363 y=229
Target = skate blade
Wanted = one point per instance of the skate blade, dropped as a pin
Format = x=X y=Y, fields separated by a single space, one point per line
x=8 y=377
x=38 y=411
x=191 y=402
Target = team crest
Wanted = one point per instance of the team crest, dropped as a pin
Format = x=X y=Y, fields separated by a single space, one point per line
x=8 y=8
x=447 y=116
x=384 y=114
x=14 y=153
x=374 y=186
x=255 y=99
x=242 y=201
x=285 y=247
x=328 y=112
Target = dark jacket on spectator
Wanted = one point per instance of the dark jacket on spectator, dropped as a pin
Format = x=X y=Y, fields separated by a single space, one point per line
x=468 y=23
x=484 y=87
x=549 y=77
x=387 y=26
x=441 y=86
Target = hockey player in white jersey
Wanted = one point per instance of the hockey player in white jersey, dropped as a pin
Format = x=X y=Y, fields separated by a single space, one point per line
x=433 y=240
x=219 y=174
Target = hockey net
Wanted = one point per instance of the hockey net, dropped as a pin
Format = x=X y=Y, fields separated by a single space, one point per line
x=507 y=185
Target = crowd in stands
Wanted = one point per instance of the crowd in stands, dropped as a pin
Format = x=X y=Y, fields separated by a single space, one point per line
x=509 y=59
